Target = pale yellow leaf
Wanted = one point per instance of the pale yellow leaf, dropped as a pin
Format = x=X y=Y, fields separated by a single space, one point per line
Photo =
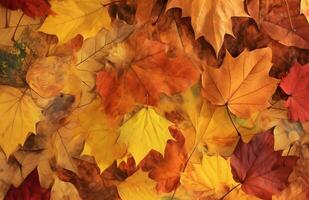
x=18 y=116
x=145 y=131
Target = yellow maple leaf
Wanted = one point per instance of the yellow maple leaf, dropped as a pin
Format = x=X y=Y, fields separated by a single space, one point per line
x=146 y=130
x=211 y=18
x=74 y=17
x=213 y=179
x=213 y=175
x=19 y=115
x=241 y=83
x=212 y=124
x=138 y=187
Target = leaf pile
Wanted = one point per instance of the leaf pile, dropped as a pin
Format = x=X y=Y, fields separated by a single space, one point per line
x=156 y=99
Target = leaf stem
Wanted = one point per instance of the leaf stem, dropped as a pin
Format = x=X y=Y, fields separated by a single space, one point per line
x=229 y=191
x=6 y=16
x=228 y=113
x=13 y=37
x=287 y=154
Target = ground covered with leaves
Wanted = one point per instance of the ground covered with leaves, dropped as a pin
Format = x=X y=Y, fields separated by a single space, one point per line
x=154 y=99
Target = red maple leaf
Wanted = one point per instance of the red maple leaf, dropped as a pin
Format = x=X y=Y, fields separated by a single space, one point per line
x=261 y=170
x=32 y=8
x=296 y=85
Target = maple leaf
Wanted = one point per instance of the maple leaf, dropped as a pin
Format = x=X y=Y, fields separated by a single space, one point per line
x=74 y=17
x=281 y=21
x=19 y=117
x=295 y=84
x=32 y=8
x=261 y=170
x=212 y=18
x=138 y=186
x=30 y=189
x=167 y=171
x=52 y=145
x=213 y=176
x=141 y=73
x=247 y=87
x=90 y=122
x=144 y=131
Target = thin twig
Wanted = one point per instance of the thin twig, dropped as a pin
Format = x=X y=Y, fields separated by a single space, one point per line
x=13 y=37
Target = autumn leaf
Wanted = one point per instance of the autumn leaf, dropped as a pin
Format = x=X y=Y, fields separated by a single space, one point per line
x=138 y=186
x=295 y=84
x=262 y=172
x=167 y=172
x=146 y=130
x=19 y=115
x=247 y=87
x=140 y=70
x=52 y=145
x=97 y=133
x=212 y=176
x=282 y=21
x=32 y=8
x=211 y=19
x=30 y=189
x=74 y=17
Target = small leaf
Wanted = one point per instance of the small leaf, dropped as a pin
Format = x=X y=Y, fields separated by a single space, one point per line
x=146 y=130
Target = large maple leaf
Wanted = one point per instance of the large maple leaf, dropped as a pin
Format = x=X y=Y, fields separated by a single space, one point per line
x=281 y=20
x=211 y=18
x=246 y=87
x=261 y=170
x=141 y=70
x=295 y=84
